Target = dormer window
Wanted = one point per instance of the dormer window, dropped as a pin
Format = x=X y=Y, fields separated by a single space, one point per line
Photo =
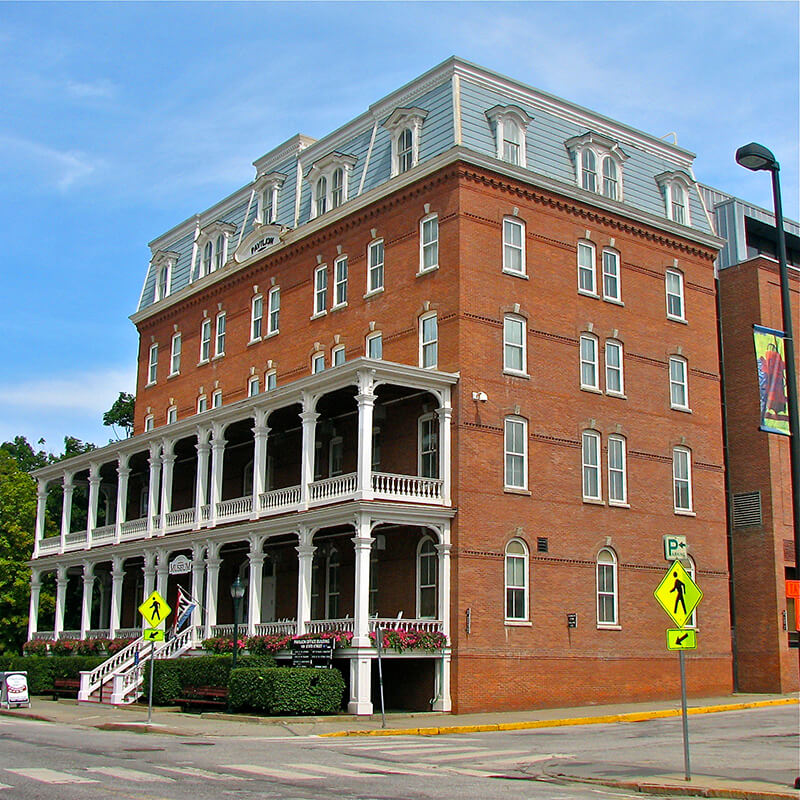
x=266 y=187
x=598 y=163
x=509 y=124
x=328 y=178
x=163 y=263
x=405 y=126
x=675 y=191
x=212 y=247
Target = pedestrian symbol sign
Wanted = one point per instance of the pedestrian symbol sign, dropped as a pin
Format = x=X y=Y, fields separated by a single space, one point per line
x=155 y=609
x=678 y=594
x=681 y=639
x=153 y=634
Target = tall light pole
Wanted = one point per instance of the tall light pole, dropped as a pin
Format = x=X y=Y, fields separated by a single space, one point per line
x=237 y=593
x=758 y=158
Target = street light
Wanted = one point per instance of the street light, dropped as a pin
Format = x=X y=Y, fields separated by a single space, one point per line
x=237 y=593
x=756 y=157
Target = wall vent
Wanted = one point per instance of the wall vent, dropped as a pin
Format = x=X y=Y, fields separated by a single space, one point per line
x=747 y=510
x=542 y=544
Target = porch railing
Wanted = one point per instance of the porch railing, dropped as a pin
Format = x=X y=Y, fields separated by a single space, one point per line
x=182 y=518
x=330 y=625
x=131 y=528
x=340 y=486
x=282 y=628
x=406 y=487
x=390 y=623
x=75 y=537
x=205 y=512
x=50 y=545
x=76 y=635
x=43 y=636
x=235 y=507
x=127 y=633
x=103 y=533
x=278 y=499
x=98 y=633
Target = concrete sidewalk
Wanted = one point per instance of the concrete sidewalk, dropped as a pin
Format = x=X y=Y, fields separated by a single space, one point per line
x=215 y=725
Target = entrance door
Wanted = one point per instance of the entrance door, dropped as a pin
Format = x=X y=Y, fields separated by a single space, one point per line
x=268 y=598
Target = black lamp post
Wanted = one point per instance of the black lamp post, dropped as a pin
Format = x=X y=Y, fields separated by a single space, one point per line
x=756 y=157
x=237 y=593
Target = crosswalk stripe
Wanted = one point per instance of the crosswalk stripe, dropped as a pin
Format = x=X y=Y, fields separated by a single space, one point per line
x=434 y=749
x=196 y=772
x=400 y=771
x=531 y=759
x=44 y=775
x=480 y=755
x=334 y=771
x=393 y=744
x=135 y=775
x=281 y=775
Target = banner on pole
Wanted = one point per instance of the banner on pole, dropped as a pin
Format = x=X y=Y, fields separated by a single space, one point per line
x=771 y=364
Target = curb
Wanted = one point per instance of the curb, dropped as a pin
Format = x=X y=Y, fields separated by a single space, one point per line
x=633 y=716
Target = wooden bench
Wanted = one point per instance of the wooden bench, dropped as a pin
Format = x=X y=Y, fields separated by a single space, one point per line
x=66 y=687
x=203 y=697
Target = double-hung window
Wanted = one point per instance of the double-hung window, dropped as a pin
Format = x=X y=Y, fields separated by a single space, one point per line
x=592 y=489
x=589 y=170
x=337 y=187
x=610 y=178
x=332 y=585
x=512 y=142
x=428 y=446
x=678 y=204
x=202 y=404
x=375 y=256
x=175 y=355
x=318 y=363
x=219 y=252
x=205 y=341
x=375 y=345
x=270 y=380
x=252 y=386
x=162 y=289
x=335 y=456
x=273 y=319
x=320 y=290
x=607 y=588
x=322 y=195
x=611 y=289
x=149 y=423
x=589 y=371
x=428 y=341
x=682 y=479
x=338 y=355
x=208 y=256
x=172 y=415
x=216 y=399
x=674 y=290
x=615 y=380
x=429 y=243
x=513 y=246
x=516 y=568
x=586 y=268
x=426 y=579
x=514 y=359
x=340 y=282
x=617 y=477
x=516 y=453
x=678 y=384
x=152 y=367
x=256 y=318
x=219 y=339
x=405 y=150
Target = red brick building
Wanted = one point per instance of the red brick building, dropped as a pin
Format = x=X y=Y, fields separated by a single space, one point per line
x=451 y=369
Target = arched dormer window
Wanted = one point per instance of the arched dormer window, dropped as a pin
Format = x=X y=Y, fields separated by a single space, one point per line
x=675 y=188
x=337 y=187
x=266 y=187
x=163 y=263
x=322 y=195
x=405 y=128
x=328 y=178
x=212 y=247
x=598 y=161
x=509 y=124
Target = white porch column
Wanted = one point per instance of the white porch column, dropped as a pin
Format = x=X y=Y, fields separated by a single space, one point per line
x=33 y=608
x=66 y=508
x=362 y=543
x=162 y=572
x=256 y=563
x=305 y=560
x=445 y=414
x=213 y=562
x=198 y=570
x=41 y=511
x=260 y=434
x=149 y=570
x=201 y=479
x=366 y=405
x=117 y=576
x=309 y=419
x=360 y=686
x=124 y=472
x=167 y=469
x=217 y=463
x=86 y=607
x=154 y=485
x=61 y=595
x=442 y=670
x=94 y=496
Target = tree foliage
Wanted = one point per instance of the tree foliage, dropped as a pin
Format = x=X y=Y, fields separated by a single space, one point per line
x=121 y=414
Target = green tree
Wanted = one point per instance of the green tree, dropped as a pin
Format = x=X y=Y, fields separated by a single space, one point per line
x=121 y=413
x=26 y=457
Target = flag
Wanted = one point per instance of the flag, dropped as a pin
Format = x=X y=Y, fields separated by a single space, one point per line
x=771 y=380
x=185 y=605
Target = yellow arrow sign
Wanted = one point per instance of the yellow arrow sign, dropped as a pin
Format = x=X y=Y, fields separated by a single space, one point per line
x=681 y=639
x=678 y=594
x=155 y=609
x=153 y=635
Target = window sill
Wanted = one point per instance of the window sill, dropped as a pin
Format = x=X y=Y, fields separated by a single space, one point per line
x=619 y=395
x=272 y=333
x=151 y=383
x=218 y=356
x=603 y=627
x=512 y=490
x=682 y=409
x=594 y=501
x=591 y=389
x=518 y=623
x=586 y=293
x=616 y=504
x=514 y=374
x=515 y=274
x=174 y=375
x=614 y=301
x=254 y=341
x=681 y=320
x=323 y=313
x=339 y=306
x=427 y=270
x=681 y=512
x=373 y=292
x=202 y=362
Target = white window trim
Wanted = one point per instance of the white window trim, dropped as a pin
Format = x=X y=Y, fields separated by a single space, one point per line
x=594 y=435
x=590 y=337
x=256 y=336
x=685 y=384
x=202 y=398
x=613 y=563
x=337 y=283
x=585 y=243
x=215 y=395
x=623 y=502
x=501 y=116
x=433 y=343
x=320 y=292
x=611 y=343
x=149 y=423
x=152 y=365
x=205 y=325
x=666 y=181
x=268 y=376
x=431 y=417
x=316 y=360
x=680 y=509
x=253 y=381
x=172 y=415
x=435 y=584
x=275 y=291
x=602 y=147
x=370 y=337
x=682 y=316
x=519 y=223
x=524 y=346
x=324 y=168
x=616 y=254
x=175 y=355
x=370 y=288
x=399 y=120
x=515 y=420
x=423 y=244
x=525 y=556
x=163 y=259
x=267 y=184
x=334 y=352
x=211 y=234
x=220 y=334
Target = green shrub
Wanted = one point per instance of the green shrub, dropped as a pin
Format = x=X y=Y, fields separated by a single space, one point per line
x=70 y=667
x=287 y=690
x=40 y=672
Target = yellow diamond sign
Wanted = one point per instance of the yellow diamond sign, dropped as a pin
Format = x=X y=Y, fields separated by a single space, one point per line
x=155 y=609
x=678 y=594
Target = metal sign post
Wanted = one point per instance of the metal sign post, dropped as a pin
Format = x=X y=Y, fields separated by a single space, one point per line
x=687 y=770
x=150 y=692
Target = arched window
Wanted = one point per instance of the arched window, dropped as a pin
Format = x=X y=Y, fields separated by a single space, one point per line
x=208 y=252
x=162 y=290
x=607 y=587
x=516 y=567
x=332 y=585
x=678 y=207
x=589 y=170
x=426 y=579
x=247 y=479
x=610 y=179
x=511 y=142
x=337 y=190
x=405 y=150
x=322 y=199
x=219 y=252
x=682 y=478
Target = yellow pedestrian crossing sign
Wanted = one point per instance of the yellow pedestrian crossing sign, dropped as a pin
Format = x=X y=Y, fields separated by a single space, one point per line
x=153 y=634
x=678 y=594
x=681 y=639
x=155 y=609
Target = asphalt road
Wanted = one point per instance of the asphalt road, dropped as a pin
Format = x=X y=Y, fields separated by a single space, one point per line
x=42 y=760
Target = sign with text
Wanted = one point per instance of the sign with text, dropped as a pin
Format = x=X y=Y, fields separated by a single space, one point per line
x=14 y=687
x=180 y=565
x=312 y=652
x=675 y=547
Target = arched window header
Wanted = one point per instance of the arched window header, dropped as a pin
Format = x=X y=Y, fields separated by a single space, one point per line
x=211 y=248
x=598 y=161
x=162 y=264
x=675 y=187
x=328 y=178
x=405 y=126
x=509 y=124
x=266 y=188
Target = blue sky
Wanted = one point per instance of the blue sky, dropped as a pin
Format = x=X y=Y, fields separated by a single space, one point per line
x=118 y=121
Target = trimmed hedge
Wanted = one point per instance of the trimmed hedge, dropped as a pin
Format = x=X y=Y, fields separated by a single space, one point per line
x=43 y=670
x=287 y=690
x=171 y=675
